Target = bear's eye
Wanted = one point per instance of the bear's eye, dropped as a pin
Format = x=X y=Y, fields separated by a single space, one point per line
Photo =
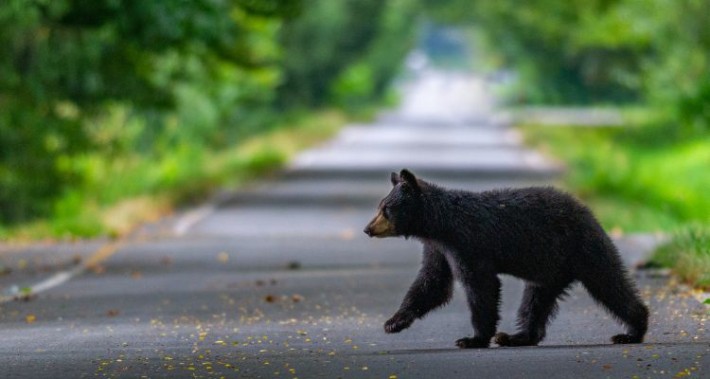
x=386 y=211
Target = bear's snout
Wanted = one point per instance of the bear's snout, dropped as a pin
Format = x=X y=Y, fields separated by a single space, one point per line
x=379 y=227
x=368 y=231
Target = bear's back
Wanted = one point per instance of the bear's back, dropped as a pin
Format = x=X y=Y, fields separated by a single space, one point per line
x=534 y=232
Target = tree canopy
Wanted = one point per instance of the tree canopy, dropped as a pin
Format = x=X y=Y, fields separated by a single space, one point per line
x=90 y=85
x=110 y=78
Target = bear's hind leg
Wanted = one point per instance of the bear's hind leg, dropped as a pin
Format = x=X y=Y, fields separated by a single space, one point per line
x=617 y=294
x=537 y=309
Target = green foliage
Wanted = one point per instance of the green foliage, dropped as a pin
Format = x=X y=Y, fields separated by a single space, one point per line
x=106 y=100
x=131 y=189
x=320 y=43
x=345 y=52
x=688 y=253
x=600 y=51
x=353 y=86
x=369 y=76
x=71 y=65
x=660 y=181
x=539 y=39
x=676 y=75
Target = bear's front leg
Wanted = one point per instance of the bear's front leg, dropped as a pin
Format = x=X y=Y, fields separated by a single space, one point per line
x=399 y=322
x=432 y=288
x=483 y=296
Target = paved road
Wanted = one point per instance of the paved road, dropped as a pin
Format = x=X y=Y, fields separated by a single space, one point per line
x=278 y=281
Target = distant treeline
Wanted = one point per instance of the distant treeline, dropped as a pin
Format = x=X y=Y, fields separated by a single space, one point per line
x=600 y=51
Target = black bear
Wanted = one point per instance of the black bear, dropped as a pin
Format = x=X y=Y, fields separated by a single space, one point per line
x=538 y=234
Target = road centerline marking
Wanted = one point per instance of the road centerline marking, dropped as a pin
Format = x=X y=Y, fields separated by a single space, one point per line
x=61 y=277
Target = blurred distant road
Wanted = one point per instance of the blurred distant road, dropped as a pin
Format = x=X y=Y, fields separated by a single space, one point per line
x=278 y=280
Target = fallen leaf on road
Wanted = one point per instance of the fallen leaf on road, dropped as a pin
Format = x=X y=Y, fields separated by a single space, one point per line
x=297 y=298
x=25 y=294
x=347 y=234
x=112 y=312
x=30 y=318
x=136 y=275
x=269 y=298
x=223 y=257
x=617 y=232
x=293 y=265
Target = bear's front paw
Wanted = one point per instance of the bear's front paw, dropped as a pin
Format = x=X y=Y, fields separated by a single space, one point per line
x=398 y=323
x=473 y=343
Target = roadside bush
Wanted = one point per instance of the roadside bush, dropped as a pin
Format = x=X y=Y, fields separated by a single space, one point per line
x=688 y=253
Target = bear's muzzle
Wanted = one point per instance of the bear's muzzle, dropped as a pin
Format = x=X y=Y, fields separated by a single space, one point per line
x=380 y=227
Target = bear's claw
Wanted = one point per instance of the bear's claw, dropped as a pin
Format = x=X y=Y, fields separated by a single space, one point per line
x=398 y=322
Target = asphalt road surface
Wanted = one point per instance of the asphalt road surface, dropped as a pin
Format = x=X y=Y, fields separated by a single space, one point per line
x=278 y=281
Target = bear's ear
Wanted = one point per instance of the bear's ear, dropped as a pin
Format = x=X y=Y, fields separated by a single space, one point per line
x=394 y=178
x=409 y=178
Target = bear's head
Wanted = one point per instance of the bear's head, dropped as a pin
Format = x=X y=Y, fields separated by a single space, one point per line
x=399 y=211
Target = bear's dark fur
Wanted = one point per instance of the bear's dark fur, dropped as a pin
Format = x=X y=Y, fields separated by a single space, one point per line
x=537 y=234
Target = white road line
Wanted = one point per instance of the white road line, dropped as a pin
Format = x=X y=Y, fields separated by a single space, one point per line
x=183 y=226
x=62 y=277
x=191 y=218
x=49 y=283
x=56 y=280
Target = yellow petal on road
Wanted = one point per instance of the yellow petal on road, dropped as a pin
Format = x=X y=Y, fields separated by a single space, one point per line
x=347 y=234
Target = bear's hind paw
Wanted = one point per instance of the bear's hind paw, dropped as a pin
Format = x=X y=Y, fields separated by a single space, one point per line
x=626 y=338
x=473 y=343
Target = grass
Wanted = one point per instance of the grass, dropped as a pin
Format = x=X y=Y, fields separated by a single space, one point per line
x=641 y=178
x=636 y=179
x=688 y=253
x=125 y=192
